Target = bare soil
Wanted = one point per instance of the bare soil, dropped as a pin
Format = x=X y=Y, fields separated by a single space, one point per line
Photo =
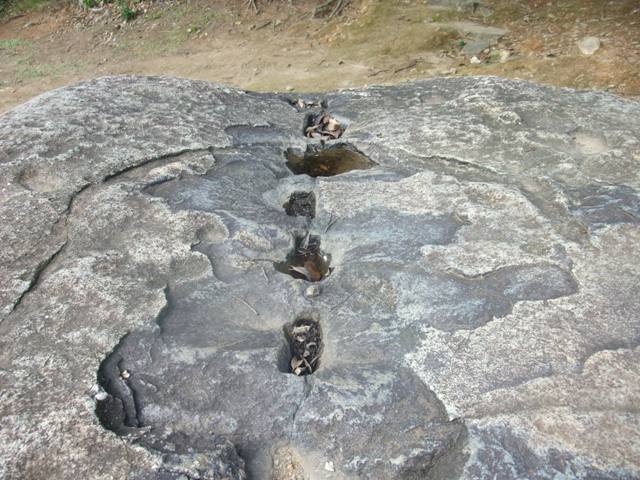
x=284 y=48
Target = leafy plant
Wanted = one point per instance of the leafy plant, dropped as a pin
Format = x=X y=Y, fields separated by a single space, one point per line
x=126 y=12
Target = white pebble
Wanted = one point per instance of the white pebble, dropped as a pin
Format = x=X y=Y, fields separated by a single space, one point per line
x=588 y=45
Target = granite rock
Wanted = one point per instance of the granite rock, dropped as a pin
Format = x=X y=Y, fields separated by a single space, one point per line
x=480 y=318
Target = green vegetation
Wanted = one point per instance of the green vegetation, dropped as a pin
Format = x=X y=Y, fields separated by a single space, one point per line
x=155 y=14
x=28 y=68
x=126 y=12
x=12 y=7
x=12 y=43
x=30 y=71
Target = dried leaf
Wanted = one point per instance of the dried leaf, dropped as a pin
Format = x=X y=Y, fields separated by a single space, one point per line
x=301 y=271
x=300 y=329
x=307 y=364
x=332 y=124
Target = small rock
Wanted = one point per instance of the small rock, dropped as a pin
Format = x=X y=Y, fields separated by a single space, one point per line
x=588 y=45
x=328 y=466
x=503 y=55
x=312 y=291
x=475 y=60
x=289 y=88
x=100 y=396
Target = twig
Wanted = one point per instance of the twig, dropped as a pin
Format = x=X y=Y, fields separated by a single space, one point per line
x=378 y=72
x=338 y=6
x=305 y=242
x=322 y=7
x=252 y=4
x=262 y=260
x=330 y=218
x=247 y=304
x=264 y=272
x=330 y=224
x=406 y=67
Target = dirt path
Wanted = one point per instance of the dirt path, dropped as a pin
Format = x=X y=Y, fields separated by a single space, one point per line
x=284 y=48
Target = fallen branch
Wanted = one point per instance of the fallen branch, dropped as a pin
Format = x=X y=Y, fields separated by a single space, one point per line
x=378 y=72
x=411 y=64
x=263 y=25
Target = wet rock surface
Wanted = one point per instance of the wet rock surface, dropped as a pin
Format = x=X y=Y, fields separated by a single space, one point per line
x=480 y=319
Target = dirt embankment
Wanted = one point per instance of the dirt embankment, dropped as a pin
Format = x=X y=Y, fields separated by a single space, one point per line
x=284 y=47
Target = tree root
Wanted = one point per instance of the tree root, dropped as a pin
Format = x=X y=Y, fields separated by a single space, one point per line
x=334 y=6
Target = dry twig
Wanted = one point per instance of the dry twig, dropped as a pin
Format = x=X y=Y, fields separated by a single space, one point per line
x=248 y=305
x=411 y=64
x=252 y=4
x=338 y=7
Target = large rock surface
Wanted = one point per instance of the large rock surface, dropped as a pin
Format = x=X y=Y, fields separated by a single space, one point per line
x=482 y=318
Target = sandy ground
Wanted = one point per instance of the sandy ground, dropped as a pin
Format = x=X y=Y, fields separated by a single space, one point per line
x=284 y=48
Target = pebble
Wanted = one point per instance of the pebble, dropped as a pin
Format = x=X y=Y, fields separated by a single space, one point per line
x=503 y=55
x=312 y=291
x=475 y=60
x=328 y=466
x=588 y=45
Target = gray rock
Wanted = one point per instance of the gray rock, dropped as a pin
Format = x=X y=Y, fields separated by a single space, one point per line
x=480 y=318
x=471 y=6
x=478 y=31
x=475 y=47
